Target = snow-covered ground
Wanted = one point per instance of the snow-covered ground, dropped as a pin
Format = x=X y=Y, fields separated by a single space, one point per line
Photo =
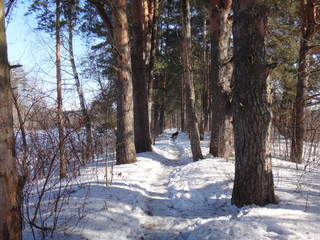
x=165 y=195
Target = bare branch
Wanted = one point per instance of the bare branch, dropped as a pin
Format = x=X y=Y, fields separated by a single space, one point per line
x=9 y=7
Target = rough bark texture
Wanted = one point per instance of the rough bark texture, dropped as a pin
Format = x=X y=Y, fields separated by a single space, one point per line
x=309 y=28
x=253 y=182
x=125 y=149
x=141 y=117
x=63 y=161
x=10 y=219
x=221 y=74
x=188 y=79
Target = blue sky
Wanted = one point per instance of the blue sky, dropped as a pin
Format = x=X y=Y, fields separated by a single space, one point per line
x=34 y=50
x=20 y=37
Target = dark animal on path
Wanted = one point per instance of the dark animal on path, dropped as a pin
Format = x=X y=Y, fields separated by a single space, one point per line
x=175 y=135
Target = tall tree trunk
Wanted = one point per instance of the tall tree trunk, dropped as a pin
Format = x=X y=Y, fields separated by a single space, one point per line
x=221 y=74
x=309 y=28
x=141 y=117
x=163 y=78
x=147 y=20
x=298 y=113
x=63 y=161
x=125 y=149
x=10 y=218
x=154 y=30
x=85 y=114
x=205 y=79
x=156 y=121
x=253 y=183
x=188 y=79
x=184 y=124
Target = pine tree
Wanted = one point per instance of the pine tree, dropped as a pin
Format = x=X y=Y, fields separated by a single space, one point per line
x=125 y=116
x=141 y=116
x=253 y=183
x=193 y=128
x=309 y=29
x=221 y=75
x=283 y=50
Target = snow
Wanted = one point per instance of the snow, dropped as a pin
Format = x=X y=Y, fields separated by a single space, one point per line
x=165 y=195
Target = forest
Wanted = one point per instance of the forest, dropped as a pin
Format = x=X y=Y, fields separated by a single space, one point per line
x=113 y=80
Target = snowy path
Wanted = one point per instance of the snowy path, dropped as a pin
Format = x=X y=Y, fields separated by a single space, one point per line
x=164 y=220
x=167 y=196
x=161 y=222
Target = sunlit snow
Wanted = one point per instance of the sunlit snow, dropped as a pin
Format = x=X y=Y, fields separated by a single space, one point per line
x=165 y=195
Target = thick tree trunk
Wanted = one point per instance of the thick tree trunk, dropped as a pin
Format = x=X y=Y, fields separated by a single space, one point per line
x=221 y=74
x=10 y=218
x=63 y=161
x=141 y=117
x=125 y=149
x=188 y=79
x=85 y=114
x=253 y=183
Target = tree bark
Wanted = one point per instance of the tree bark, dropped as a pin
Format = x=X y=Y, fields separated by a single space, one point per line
x=298 y=113
x=63 y=161
x=309 y=28
x=147 y=18
x=221 y=74
x=253 y=183
x=184 y=125
x=141 y=117
x=85 y=114
x=151 y=76
x=205 y=79
x=10 y=216
x=163 y=79
x=125 y=149
x=188 y=79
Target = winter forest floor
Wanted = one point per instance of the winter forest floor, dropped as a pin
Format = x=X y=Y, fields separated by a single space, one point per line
x=165 y=195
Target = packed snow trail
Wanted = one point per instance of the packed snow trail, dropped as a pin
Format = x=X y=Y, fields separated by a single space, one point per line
x=164 y=219
x=158 y=204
